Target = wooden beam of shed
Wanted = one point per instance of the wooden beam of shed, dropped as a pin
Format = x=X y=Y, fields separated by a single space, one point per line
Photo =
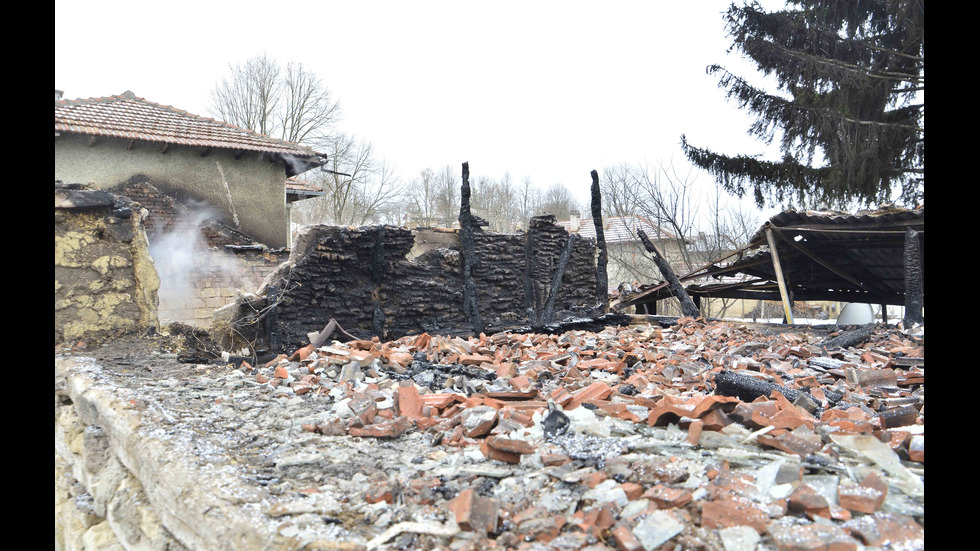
x=816 y=258
x=91 y=141
x=131 y=144
x=687 y=305
x=206 y=152
x=783 y=292
x=166 y=146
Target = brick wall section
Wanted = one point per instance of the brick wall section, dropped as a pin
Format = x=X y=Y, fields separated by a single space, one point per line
x=361 y=277
x=219 y=272
x=218 y=281
x=163 y=211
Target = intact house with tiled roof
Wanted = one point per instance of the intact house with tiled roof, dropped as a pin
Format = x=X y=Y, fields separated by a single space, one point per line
x=110 y=142
x=217 y=196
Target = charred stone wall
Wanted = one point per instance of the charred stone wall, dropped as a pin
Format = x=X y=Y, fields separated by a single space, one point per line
x=363 y=278
x=105 y=283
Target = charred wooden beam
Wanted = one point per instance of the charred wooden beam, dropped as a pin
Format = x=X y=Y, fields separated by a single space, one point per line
x=319 y=339
x=913 y=278
x=530 y=302
x=849 y=338
x=467 y=249
x=377 y=277
x=206 y=152
x=271 y=320
x=687 y=305
x=747 y=388
x=549 y=310
x=601 y=273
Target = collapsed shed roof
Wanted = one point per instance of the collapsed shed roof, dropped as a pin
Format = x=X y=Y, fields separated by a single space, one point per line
x=824 y=255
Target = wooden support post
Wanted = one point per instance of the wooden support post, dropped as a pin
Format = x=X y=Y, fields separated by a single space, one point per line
x=687 y=305
x=783 y=291
x=467 y=249
x=913 y=279
x=601 y=273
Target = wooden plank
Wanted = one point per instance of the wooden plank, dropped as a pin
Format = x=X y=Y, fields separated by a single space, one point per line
x=783 y=292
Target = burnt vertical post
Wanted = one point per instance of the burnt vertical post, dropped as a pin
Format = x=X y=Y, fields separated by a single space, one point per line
x=467 y=249
x=549 y=308
x=913 y=278
x=377 y=276
x=601 y=274
x=271 y=321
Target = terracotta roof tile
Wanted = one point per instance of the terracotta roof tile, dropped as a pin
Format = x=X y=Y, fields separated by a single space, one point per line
x=130 y=117
x=619 y=229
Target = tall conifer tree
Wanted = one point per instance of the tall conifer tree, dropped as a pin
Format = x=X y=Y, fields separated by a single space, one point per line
x=848 y=113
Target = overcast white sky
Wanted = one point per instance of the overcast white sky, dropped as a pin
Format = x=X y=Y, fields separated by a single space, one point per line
x=549 y=90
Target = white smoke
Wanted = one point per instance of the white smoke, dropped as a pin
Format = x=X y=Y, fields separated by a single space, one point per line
x=183 y=260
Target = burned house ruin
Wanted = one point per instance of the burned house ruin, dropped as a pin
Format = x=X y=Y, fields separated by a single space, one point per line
x=386 y=282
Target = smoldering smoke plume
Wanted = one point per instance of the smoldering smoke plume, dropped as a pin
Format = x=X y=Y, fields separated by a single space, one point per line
x=182 y=256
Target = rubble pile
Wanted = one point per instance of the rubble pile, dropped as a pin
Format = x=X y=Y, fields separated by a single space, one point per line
x=699 y=435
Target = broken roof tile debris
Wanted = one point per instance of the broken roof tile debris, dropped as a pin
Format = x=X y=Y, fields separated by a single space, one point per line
x=636 y=436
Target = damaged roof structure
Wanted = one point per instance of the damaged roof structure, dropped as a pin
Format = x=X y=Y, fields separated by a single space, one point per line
x=813 y=255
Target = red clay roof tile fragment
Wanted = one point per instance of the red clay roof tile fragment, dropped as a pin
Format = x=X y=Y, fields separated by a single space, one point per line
x=865 y=497
x=733 y=511
x=474 y=513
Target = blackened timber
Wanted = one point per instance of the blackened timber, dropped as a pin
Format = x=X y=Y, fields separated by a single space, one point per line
x=272 y=318
x=377 y=277
x=846 y=339
x=687 y=305
x=531 y=303
x=549 y=309
x=319 y=339
x=601 y=274
x=747 y=389
x=467 y=248
x=913 y=278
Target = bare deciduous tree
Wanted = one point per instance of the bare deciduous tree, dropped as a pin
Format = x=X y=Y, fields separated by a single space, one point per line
x=421 y=198
x=558 y=200
x=670 y=200
x=359 y=187
x=292 y=104
x=528 y=200
x=447 y=196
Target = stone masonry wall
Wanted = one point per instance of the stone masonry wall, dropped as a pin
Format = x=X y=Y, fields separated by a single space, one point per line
x=361 y=277
x=105 y=283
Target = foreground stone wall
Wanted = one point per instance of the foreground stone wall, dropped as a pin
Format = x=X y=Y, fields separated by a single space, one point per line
x=105 y=282
x=372 y=280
